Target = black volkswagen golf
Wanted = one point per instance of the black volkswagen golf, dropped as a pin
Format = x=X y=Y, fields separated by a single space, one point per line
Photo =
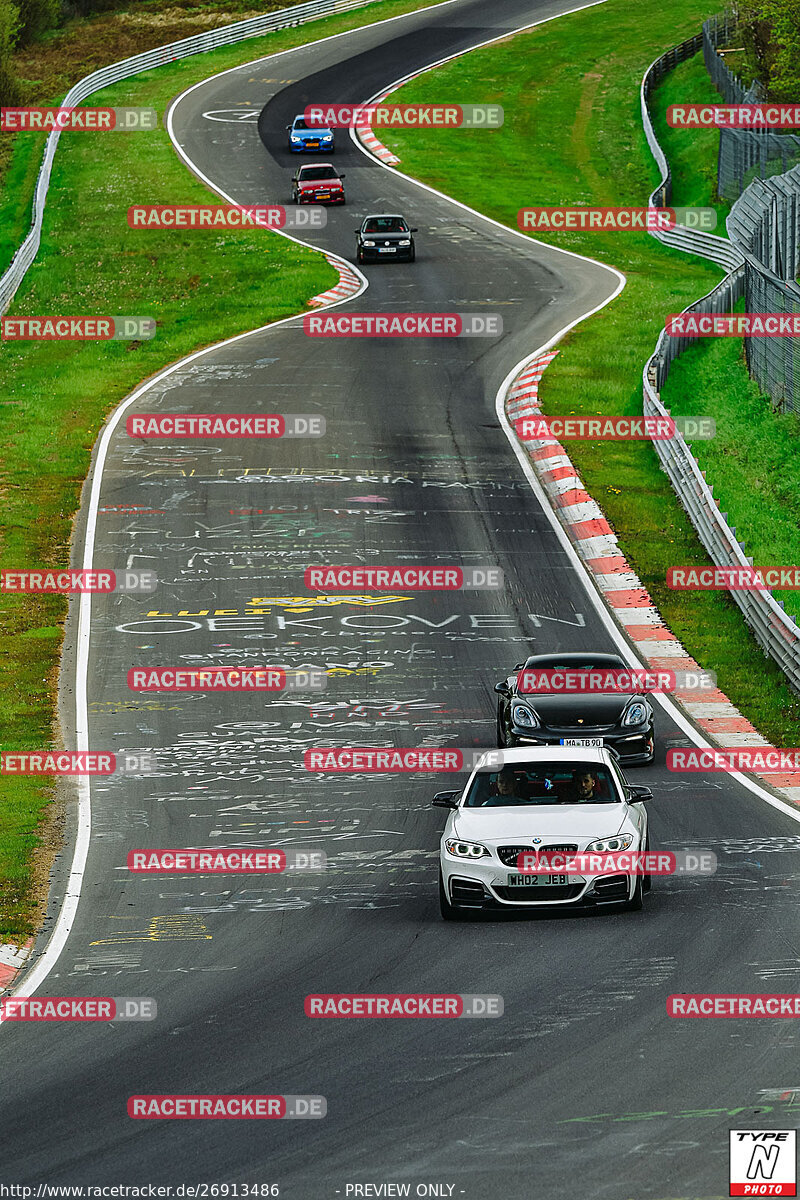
x=550 y=700
x=385 y=235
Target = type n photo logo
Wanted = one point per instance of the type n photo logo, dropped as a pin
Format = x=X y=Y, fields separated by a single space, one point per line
x=763 y=1162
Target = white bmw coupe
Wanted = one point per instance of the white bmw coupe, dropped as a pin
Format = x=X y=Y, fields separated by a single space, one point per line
x=557 y=799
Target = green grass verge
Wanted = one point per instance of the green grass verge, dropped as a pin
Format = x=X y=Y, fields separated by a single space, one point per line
x=201 y=287
x=49 y=69
x=752 y=462
x=573 y=134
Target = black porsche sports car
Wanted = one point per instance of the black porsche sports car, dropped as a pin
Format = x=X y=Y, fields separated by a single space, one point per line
x=526 y=716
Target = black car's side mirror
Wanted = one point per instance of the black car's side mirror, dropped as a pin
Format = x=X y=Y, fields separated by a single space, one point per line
x=502 y=688
x=638 y=794
x=414 y=230
x=445 y=800
x=356 y=231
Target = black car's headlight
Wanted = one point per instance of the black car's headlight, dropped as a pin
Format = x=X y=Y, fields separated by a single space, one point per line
x=466 y=849
x=369 y=243
x=404 y=242
x=635 y=713
x=522 y=715
x=620 y=841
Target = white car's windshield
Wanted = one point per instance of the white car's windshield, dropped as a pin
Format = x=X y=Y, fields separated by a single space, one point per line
x=543 y=783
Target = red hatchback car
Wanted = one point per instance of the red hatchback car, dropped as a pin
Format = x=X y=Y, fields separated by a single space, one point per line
x=317 y=184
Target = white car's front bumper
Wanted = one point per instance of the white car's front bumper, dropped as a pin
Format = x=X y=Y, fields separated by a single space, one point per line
x=482 y=883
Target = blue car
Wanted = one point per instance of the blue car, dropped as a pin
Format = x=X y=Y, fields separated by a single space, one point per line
x=305 y=137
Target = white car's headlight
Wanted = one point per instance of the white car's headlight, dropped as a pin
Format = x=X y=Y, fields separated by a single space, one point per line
x=369 y=243
x=466 y=849
x=635 y=713
x=522 y=715
x=620 y=841
x=404 y=242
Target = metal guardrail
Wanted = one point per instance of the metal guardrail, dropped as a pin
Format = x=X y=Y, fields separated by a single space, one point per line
x=707 y=245
x=227 y=35
x=775 y=631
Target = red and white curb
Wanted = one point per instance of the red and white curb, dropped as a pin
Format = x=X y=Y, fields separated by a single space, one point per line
x=370 y=142
x=623 y=591
x=349 y=283
x=12 y=959
x=367 y=137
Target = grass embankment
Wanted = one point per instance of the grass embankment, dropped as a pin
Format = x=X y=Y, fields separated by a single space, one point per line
x=201 y=287
x=573 y=134
x=47 y=69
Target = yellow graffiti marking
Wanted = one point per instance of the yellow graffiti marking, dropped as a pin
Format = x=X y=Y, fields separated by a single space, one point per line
x=162 y=929
x=261 y=606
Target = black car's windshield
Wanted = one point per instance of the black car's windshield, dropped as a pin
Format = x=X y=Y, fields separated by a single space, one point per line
x=314 y=173
x=543 y=783
x=606 y=662
x=551 y=673
x=385 y=225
